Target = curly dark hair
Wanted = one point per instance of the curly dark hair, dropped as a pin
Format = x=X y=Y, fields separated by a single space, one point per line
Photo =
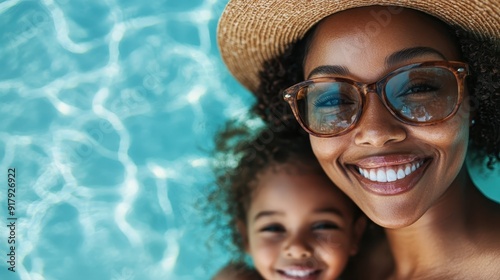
x=482 y=55
x=242 y=154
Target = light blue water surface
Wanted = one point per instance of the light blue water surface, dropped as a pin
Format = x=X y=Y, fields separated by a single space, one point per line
x=108 y=113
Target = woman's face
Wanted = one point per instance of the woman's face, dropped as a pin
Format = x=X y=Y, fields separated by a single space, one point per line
x=364 y=45
x=300 y=226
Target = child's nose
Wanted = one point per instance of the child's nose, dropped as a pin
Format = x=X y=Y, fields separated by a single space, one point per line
x=298 y=248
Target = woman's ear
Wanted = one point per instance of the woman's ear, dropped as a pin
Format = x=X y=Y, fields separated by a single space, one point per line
x=242 y=229
x=358 y=229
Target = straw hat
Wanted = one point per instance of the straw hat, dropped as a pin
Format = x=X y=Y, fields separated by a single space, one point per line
x=253 y=31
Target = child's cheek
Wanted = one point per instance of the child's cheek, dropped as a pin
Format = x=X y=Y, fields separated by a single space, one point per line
x=331 y=241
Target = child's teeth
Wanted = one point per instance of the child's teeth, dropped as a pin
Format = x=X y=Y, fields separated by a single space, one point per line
x=298 y=273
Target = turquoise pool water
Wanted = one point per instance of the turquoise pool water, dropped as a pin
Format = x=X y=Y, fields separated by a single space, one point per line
x=108 y=112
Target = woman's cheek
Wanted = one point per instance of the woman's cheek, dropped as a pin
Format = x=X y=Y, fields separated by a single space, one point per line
x=326 y=150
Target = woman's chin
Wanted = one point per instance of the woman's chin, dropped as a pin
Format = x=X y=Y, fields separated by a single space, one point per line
x=394 y=216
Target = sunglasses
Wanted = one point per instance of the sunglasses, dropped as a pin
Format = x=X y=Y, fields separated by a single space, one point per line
x=417 y=94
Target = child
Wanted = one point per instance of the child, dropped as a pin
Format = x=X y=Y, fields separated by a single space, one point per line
x=286 y=214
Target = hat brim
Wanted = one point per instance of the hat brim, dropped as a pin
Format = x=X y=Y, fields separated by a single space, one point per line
x=251 y=32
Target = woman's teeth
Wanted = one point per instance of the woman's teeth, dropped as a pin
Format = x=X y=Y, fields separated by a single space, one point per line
x=389 y=174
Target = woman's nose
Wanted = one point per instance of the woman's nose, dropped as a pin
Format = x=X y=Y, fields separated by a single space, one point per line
x=298 y=248
x=377 y=127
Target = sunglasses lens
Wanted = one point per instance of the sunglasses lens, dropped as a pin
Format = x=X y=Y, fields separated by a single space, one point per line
x=328 y=108
x=422 y=95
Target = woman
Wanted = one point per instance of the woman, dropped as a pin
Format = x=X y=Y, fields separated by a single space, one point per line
x=392 y=101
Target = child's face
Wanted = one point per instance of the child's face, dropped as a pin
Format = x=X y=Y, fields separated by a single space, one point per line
x=300 y=226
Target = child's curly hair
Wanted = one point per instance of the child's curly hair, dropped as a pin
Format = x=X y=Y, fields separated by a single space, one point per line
x=483 y=57
x=242 y=154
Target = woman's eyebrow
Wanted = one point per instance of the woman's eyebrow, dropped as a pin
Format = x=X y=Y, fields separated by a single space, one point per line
x=329 y=70
x=410 y=53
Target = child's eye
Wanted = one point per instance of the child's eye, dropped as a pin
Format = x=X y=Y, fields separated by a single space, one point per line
x=325 y=226
x=273 y=228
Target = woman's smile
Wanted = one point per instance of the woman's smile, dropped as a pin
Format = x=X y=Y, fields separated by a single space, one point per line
x=390 y=173
x=388 y=177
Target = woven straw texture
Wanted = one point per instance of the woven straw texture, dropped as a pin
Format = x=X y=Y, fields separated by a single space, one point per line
x=253 y=31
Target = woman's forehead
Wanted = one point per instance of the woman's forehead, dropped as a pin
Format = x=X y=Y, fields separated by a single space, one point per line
x=366 y=37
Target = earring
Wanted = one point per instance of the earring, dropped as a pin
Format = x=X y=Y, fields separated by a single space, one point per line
x=472 y=122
